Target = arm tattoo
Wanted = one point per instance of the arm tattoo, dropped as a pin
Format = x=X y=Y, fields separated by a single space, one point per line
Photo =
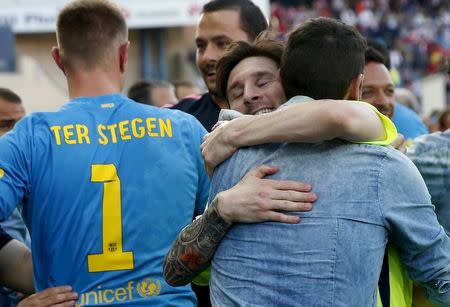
x=194 y=247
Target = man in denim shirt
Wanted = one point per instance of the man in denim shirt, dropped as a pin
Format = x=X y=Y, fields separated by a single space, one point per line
x=255 y=70
x=332 y=258
x=431 y=154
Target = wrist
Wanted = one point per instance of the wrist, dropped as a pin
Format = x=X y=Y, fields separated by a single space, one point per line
x=220 y=206
x=240 y=132
x=233 y=136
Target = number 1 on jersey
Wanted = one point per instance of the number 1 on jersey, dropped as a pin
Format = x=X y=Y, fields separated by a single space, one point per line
x=113 y=257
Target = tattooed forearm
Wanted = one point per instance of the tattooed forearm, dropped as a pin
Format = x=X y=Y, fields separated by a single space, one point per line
x=194 y=247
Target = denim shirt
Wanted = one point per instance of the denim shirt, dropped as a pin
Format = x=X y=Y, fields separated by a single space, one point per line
x=333 y=256
x=431 y=154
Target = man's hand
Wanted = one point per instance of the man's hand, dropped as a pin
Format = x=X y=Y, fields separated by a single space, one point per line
x=218 y=124
x=51 y=297
x=221 y=144
x=217 y=147
x=252 y=200
x=255 y=199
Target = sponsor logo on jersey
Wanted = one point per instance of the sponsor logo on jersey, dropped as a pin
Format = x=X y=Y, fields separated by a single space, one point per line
x=149 y=287
x=143 y=289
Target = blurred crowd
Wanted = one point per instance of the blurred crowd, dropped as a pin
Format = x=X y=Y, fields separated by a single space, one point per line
x=417 y=33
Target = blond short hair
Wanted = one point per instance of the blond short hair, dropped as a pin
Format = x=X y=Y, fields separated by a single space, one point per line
x=87 y=32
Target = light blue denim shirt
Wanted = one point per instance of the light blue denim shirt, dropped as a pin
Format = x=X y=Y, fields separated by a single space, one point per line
x=431 y=154
x=333 y=256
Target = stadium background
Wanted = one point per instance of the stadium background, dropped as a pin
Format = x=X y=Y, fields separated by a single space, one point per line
x=162 y=42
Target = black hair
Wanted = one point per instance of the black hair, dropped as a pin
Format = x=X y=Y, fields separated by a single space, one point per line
x=252 y=19
x=382 y=49
x=9 y=96
x=265 y=45
x=373 y=55
x=321 y=59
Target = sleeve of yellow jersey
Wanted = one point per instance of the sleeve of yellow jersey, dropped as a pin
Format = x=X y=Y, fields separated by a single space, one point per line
x=390 y=131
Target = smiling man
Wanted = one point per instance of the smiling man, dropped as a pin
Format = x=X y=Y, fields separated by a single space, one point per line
x=378 y=87
x=221 y=23
x=248 y=76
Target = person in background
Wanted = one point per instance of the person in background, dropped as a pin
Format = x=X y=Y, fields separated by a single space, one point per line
x=407 y=98
x=395 y=287
x=11 y=111
x=431 y=154
x=221 y=23
x=186 y=89
x=156 y=93
x=432 y=121
x=444 y=120
x=408 y=123
x=16 y=272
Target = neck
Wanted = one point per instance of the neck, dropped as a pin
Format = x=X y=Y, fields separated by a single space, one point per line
x=220 y=102
x=92 y=83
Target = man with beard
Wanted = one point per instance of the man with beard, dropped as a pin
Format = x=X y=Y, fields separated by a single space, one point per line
x=221 y=23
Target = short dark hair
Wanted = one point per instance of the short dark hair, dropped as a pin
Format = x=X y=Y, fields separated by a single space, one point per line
x=321 y=59
x=382 y=49
x=179 y=84
x=141 y=91
x=265 y=45
x=86 y=30
x=186 y=83
x=373 y=55
x=9 y=96
x=251 y=17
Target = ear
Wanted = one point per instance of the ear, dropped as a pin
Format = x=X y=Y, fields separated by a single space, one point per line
x=57 y=58
x=123 y=56
x=355 y=88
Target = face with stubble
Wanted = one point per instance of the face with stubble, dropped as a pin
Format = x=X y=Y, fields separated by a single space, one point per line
x=254 y=86
x=215 y=32
x=378 y=88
